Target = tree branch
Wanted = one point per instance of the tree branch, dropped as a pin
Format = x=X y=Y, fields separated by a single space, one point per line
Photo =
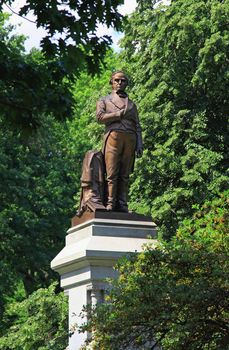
x=16 y=13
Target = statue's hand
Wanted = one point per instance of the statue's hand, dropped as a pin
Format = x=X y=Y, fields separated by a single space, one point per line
x=139 y=152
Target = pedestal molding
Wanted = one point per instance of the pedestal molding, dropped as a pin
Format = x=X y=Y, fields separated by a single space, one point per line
x=91 y=250
x=112 y=222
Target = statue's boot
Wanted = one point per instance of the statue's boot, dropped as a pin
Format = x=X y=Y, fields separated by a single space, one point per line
x=122 y=196
x=112 y=194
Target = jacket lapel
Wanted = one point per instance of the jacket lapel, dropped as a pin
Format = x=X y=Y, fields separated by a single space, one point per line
x=114 y=98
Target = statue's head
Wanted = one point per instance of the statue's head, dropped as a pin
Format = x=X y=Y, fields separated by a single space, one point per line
x=119 y=81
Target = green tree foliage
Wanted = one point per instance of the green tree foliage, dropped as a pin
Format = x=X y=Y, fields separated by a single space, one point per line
x=30 y=85
x=37 y=323
x=71 y=29
x=177 y=58
x=36 y=192
x=177 y=293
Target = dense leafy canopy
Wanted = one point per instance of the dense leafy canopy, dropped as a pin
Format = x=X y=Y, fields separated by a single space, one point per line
x=177 y=293
x=36 y=191
x=38 y=322
x=36 y=204
x=30 y=85
x=177 y=59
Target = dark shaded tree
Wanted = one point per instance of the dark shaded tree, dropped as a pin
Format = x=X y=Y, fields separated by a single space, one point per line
x=30 y=85
x=36 y=205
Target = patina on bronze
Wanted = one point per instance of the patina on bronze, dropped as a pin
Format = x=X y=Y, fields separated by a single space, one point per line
x=122 y=140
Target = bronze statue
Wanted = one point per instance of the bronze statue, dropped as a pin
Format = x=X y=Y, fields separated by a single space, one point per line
x=122 y=140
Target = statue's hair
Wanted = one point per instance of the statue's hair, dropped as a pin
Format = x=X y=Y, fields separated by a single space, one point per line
x=116 y=72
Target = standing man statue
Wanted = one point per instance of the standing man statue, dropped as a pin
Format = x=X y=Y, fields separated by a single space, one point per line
x=122 y=140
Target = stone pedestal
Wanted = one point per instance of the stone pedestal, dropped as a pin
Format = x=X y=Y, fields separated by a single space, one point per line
x=91 y=250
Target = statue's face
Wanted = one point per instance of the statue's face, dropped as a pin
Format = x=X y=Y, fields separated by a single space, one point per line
x=119 y=82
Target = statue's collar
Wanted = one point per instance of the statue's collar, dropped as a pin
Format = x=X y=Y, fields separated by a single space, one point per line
x=122 y=94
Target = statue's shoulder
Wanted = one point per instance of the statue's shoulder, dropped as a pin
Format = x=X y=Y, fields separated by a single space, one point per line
x=106 y=98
